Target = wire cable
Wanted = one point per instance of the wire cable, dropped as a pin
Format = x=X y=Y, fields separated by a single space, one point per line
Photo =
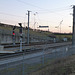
x=11 y=15
x=43 y=9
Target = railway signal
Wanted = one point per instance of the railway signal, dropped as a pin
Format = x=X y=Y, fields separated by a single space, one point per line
x=20 y=31
x=14 y=30
x=14 y=35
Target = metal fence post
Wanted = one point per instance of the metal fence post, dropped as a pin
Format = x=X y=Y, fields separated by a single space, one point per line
x=7 y=68
x=23 y=64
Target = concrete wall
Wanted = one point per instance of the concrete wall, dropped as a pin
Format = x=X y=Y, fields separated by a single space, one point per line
x=6 y=36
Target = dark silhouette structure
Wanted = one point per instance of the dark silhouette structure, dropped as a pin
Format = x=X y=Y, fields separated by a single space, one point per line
x=73 y=36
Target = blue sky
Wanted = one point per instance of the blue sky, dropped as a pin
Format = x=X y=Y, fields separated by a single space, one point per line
x=49 y=12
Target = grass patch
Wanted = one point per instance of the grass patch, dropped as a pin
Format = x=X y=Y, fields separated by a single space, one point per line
x=64 y=66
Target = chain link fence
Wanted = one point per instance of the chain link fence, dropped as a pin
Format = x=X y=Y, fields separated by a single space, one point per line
x=26 y=66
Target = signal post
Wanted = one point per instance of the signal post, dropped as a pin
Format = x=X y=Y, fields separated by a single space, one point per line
x=14 y=35
x=20 y=31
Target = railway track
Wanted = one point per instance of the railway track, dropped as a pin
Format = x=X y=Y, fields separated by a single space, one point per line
x=45 y=47
x=23 y=44
x=7 y=55
x=10 y=45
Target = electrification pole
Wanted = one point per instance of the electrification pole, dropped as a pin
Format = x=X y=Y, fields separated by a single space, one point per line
x=28 y=28
x=73 y=34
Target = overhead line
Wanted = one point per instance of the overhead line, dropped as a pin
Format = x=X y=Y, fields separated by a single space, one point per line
x=11 y=15
x=30 y=4
x=43 y=9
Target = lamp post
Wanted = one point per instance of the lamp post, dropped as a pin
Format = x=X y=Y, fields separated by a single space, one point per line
x=70 y=27
x=34 y=20
x=57 y=27
x=60 y=25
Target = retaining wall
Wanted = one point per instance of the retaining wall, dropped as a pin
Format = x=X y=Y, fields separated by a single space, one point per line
x=7 y=37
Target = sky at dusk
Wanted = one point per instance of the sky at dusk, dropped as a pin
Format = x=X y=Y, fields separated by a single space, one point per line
x=47 y=13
